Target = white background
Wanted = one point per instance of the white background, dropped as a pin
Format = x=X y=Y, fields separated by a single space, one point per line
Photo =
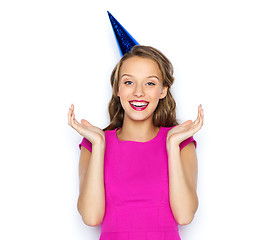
x=225 y=55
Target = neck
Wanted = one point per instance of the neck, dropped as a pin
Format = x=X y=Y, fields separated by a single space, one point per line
x=141 y=133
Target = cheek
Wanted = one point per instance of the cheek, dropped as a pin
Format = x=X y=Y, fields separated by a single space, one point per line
x=155 y=93
x=122 y=91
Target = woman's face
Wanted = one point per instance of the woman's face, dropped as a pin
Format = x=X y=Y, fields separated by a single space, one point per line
x=140 y=79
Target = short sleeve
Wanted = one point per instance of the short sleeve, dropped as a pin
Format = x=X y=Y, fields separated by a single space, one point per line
x=86 y=143
x=186 y=142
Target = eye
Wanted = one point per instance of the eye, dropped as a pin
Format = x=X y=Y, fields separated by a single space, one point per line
x=126 y=82
x=147 y=83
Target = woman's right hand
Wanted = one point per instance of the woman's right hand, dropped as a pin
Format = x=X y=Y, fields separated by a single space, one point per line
x=90 y=132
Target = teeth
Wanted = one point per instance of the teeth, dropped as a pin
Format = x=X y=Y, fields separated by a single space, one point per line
x=136 y=104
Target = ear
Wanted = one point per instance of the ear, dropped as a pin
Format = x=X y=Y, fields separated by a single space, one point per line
x=163 y=92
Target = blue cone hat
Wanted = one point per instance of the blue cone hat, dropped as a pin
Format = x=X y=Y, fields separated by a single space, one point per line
x=124 y=39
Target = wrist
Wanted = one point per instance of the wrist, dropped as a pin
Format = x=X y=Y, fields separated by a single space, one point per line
x=171 y=144
x=98 y=146
x=98 y=143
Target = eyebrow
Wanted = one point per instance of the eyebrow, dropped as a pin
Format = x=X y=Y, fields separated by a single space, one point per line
x=133 y=76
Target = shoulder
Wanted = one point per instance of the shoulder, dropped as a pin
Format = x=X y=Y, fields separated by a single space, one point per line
x=88 y=145
x=109 y=133
x=168 y=128
x=190 y=142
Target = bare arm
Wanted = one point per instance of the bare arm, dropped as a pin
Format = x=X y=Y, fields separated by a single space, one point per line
x=182 y=182
x=182 y=167
x=91 y=202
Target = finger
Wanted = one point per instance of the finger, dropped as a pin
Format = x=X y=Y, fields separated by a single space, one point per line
x=202 y=117
x=85 y=122
x=199 y=119
x=71 y=109
x=69 y=116
x=196 y=120
x=75 y=124
x=74 y=121
x=188 y=122
x=198 y=116
x=200 y=123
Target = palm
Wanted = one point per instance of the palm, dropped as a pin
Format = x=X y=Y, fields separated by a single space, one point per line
x=87 y=130
x=187 y=129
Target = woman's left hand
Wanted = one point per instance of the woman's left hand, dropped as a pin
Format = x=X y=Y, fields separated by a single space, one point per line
x=187 y=129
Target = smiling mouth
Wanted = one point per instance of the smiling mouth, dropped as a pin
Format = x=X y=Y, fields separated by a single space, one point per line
x=139 y=106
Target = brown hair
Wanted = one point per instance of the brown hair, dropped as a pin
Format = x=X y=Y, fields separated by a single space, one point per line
x=165 y=113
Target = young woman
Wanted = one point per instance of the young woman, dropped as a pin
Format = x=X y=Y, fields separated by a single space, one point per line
x=138 y=176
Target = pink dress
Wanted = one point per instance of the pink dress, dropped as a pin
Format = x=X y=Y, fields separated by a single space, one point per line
x=136 y=189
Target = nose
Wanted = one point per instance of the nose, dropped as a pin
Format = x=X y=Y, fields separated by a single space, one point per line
x=138 y=91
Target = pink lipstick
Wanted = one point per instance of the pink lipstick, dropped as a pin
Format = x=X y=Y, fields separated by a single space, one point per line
x=137 y=108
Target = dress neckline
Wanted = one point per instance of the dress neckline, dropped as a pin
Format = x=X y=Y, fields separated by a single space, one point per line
x=153 y=139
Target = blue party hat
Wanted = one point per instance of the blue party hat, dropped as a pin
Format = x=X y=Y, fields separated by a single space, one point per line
x=124 y=39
